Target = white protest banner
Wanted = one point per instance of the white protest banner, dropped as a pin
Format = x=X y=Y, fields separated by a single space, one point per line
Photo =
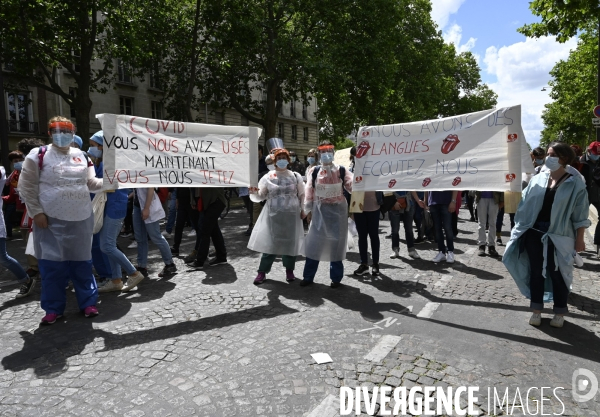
x=139 y=152
x=475 y=151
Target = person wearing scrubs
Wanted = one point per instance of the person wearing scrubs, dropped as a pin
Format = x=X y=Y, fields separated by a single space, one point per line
x=328 y=232
x=55 y=185
x=279 y=229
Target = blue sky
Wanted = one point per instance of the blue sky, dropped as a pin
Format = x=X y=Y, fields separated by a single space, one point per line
x=515 y=67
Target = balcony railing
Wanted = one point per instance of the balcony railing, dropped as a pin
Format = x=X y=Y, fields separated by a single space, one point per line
x=23 y=126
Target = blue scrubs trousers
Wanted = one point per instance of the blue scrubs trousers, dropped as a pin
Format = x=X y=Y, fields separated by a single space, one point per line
x=336 y=270
x=56 y=276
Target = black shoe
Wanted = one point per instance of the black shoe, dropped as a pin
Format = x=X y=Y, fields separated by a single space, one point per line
x=174 y=251
x=420 y=240
x=388 y=236
x=217 y=261
x=492 y=251
x=375 y=270
x=305 y=283
x=168 y=270
x=26 y=288
x=191 y=257
x=481 y=251
x=212 y=254
x=335 y=284
x=362 y=269
x=196 y=265
x=499 y=241
x=144 y=271
x=472 y=219
x=249 y=231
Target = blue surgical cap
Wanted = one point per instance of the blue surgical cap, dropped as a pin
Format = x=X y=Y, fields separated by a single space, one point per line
x=78 y=141
x=98 y=137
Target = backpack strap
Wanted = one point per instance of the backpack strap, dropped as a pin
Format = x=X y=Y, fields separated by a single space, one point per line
x=41 y=152
x=318 y=168
x=342 y=174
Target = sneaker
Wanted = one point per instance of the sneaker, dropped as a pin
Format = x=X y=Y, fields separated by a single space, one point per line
x=305 y=283
x=413 y=254
x=536 y=319
x=196 y=265
x=217 y=261
x=212 y=254
x=192 y=232
x=126 y=234
x=168 y=270
x=492 y=251
x=90 y=311
x=420 y=240
x=191 y=257
x=143 y=271
x=557 y=321
x=481 y=251
x=26 y=288
x=362 y=269
x=335 y=284
x=110 y=286
x=249 y=231
x=132 y=245
x=441 y=256
x=499 y=241
x=32 y=273
x=289 y=275
x=375 y=270
x=260 y=278
x=450 y=257
x=133 y=281
x=174 y=251
x=167 y=235
x=395 y=254
x=50 y=318
x=389 y=236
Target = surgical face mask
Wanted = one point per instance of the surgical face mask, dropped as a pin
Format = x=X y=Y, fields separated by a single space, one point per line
x=62 y=139
x=282 y=163
x=271 y=167
x=18 y=165
x=552 y=163
x=539 y=161
x=327 y=157
x=94 y=152
x=593 y=157
x=293 y=158
x=311 y=160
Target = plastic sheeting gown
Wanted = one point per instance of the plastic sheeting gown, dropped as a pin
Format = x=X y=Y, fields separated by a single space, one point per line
x=328 y=233
x=279 y=229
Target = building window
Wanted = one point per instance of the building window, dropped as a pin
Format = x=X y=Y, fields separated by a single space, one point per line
x=125 y=73
x=280 y=130
x=305 y=136
x=220 y=118
x=292 y=109
x=73 y=94
x=157 y=110
x=126 y=105
x=20 y=112
x=155 y=77
x=304 y=111
x=244 y=121
x=294 y=132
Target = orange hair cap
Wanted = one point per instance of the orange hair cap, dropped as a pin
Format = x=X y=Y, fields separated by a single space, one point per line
x=325 y=147
x=61 y=125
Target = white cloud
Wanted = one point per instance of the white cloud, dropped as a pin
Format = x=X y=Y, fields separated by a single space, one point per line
x=454 y=35
x=522 y=69
x=442 y=9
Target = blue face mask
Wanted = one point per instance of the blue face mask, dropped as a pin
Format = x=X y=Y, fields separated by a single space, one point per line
x=593 y=157
x=18 y=166
x=94 y=152
x=282 y=163
x=539 y=161
x=62 y=140
x=311 y=160
x=327 y=157
x=552 y=163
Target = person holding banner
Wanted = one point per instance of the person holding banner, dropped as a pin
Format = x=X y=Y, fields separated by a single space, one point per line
x=549 y=231
x=213 y=204
x=55 y=184
x=328 y=232
x=279 y=229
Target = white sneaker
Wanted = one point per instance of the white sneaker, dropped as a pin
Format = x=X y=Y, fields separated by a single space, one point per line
x=192 y=232
x=413 y=254
x=536 y=319
x=441 y=256
x=450 y=257
x=109 y=286
x=132 y=281
x=557 y=321
x=132 y=245
x=395 y=254
x=167 y=234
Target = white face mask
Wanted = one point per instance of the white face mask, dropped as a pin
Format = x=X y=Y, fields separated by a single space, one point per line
x=552 y=163
x=271 y=167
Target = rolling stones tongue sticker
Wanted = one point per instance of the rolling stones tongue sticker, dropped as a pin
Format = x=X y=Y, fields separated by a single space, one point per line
x=426 y=182
x=510 y=177
x=456 y=181
x=362 y=149
x=512 y=137
x=391 y=183
x=358 y=179
x=450 y=143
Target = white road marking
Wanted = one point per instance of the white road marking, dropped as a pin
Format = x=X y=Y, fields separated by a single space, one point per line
x=443 y=282
x=381 y=349
x=428 y=310
x=329 y=407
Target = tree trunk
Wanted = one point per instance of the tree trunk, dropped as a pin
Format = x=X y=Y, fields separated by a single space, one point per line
x=193 y=67
x=270 y=120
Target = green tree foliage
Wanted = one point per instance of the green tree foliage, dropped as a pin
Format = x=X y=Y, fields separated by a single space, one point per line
x=78 y=38
x=574 y=94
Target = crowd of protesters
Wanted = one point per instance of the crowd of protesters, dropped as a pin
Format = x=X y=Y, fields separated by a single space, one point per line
x=51 y=191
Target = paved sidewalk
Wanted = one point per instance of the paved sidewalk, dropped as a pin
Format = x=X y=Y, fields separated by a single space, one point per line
x=211 y=343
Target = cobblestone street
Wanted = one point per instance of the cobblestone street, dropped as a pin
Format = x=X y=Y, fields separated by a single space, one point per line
x=210 y=343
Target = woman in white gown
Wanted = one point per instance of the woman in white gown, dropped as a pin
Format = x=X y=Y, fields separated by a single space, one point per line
x=278 y=230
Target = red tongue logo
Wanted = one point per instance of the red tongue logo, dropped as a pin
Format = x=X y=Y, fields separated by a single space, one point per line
x=510 y=177
x=450 y=143
x=456 y=181
x=391 y=183
x=358 y=179
x=365 y=133
x=512 y=137
x=362 y=149
x=426 y=182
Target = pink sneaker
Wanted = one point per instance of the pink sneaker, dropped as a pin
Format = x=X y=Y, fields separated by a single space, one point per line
x=90 y=311
x=260 y=278
x=289 y=275
x=50 y=318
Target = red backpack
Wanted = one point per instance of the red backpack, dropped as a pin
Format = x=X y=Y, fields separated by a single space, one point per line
x=163 y=194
